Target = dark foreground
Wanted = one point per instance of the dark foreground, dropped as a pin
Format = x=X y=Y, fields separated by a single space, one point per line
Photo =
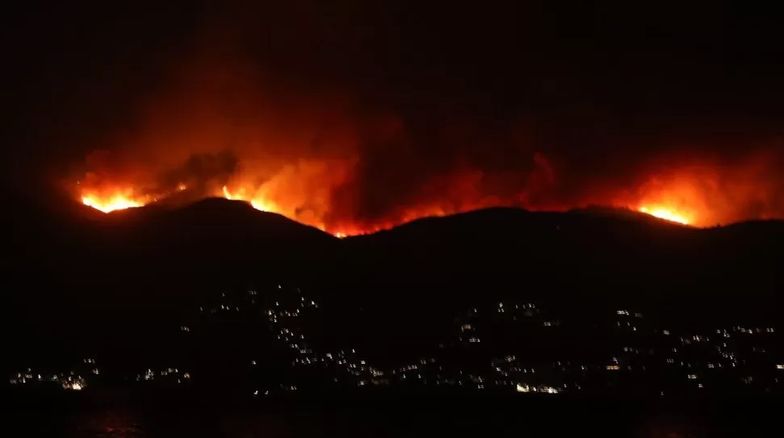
x=166 y=415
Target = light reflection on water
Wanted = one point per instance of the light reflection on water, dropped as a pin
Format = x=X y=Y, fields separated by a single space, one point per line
x=123 y=423
x=163 y=418
x=119 y=423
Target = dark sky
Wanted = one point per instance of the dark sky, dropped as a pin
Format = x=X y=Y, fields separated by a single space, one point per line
x=604 y=90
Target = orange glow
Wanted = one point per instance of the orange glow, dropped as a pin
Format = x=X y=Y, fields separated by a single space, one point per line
x=323 y=159
x=687 y=196
x=258 y=202
x=666 y=214
x=304 y=191
x=112 y=202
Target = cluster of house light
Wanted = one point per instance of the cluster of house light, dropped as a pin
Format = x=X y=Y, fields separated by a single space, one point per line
x=71 y=380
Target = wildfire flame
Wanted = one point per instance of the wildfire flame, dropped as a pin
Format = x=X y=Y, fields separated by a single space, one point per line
x=258 y=203
x=117 y=201
x=121 y=199
x=125 y=199
x=666 y=213
x=113 y=200
x=331 y=162
x=695 y=196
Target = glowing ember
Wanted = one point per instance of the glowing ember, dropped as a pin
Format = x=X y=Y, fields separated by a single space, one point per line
x=111 y=203
x=666 y=214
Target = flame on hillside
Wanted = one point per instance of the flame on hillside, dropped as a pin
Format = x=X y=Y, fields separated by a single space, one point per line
x=310 y=192
x=322 y=159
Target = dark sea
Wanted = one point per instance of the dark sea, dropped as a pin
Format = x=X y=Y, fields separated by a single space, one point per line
x=120 y=414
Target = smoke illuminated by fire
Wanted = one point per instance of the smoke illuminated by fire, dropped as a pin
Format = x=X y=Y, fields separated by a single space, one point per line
x=125 y=199
x=323 y=160
x=321 y=173
x=306 y=191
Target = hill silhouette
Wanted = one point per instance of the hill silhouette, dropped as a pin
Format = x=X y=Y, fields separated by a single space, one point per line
x=119 y=276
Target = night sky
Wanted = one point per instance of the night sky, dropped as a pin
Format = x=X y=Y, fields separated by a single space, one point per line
x=380 y=110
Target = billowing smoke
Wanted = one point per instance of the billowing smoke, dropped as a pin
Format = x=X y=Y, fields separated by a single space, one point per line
x=352 y=119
